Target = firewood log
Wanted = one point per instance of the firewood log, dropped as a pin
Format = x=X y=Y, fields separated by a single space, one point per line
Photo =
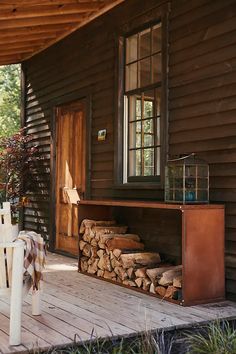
x=123 y=244
x=100 y=231
x=100 y=273
x=86 y=223
x=104 y=263
x=129 y=283
x=93 y=242
x=168 y=276
x=84 y=264
x=109 y=275
x=171 y=292
x=117 y=253
x=92 y=269
x=130 y=273
x=177 y=281
x=94 y=251
x=160 y=290
x=139 y=282
x=141 y=272
x=116 y=263
x=146 y=284
x=100 y=253
x=137 y=259
x=120 y=271
x=82 y=244
x=87 y=250
x=152 y=288
x=155 y=273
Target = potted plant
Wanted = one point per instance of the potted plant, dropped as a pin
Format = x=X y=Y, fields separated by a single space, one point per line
x=18 y=156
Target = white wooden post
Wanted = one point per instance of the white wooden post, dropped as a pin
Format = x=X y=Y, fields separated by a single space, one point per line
x=16 y=293
x=36 y=300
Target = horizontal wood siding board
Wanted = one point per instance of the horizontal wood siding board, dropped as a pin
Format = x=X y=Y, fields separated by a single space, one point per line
x=202 y=95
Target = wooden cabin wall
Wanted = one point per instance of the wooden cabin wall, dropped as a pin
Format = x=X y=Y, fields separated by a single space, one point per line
x=202 y=102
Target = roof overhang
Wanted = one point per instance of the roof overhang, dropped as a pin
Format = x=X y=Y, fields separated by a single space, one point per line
x=27 y=27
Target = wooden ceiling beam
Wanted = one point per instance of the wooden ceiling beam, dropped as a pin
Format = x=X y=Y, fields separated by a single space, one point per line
x=40 y=29
x=106 y=8
x=44 y=20
x=29 y=38
x=55 y=10
x=22 y=45
x=14 y=52
x=26 y=3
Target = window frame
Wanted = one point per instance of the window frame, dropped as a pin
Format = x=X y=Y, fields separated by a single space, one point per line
x=155 y=16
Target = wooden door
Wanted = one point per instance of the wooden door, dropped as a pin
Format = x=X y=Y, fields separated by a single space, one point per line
x=70 y=172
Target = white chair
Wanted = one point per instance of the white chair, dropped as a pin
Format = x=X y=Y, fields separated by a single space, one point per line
x=11 y=275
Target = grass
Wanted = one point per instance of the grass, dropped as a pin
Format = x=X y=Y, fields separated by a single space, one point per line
x=214 y=338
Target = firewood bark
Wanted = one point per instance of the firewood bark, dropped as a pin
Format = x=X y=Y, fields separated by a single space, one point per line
x=168 y=276
x=137 y=259
x=123 y=243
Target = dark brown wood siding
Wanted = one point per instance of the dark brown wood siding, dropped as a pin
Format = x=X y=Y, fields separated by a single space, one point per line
x=202 y=102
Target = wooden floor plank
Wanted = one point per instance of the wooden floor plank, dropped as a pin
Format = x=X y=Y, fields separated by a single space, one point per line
x=74 y=304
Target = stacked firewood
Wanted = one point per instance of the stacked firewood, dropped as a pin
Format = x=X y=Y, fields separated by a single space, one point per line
x=108 y=251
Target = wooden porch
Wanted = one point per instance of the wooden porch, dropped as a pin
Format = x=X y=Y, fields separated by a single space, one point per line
x=74 y=305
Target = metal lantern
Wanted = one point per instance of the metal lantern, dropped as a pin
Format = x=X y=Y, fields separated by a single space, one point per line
x=187 y=180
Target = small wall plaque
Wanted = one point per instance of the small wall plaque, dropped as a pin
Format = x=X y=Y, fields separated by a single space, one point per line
x=102 y=134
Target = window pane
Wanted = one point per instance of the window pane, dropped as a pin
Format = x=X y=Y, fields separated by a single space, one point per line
x=144 y=72
x=135 y=135
x=156 y=39
x=131 y=77
x=158 y=161
x=158 y=132
x=135 y=163
x=134 y=107
x=156 y=67
x=148 y=162
x=148 y=132
x=131 y=48
x=145 y=43
x=148 y=109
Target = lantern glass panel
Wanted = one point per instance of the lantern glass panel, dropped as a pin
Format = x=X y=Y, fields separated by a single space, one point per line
x=187 y=180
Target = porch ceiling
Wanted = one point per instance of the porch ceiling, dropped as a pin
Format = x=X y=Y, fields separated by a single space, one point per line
x=29 y=26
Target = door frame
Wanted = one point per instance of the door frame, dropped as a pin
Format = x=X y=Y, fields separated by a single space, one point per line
x=67 y=100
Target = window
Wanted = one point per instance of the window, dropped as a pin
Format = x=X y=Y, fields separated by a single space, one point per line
x=143 y=78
